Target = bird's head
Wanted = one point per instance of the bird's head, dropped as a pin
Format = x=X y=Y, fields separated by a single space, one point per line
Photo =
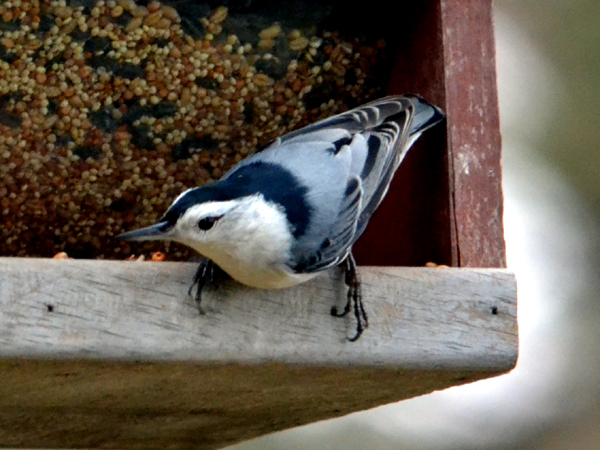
x=216 y=224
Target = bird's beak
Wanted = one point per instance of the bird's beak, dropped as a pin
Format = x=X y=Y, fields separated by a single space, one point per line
x=151 y=233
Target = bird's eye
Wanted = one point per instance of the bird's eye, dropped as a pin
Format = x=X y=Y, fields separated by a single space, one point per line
x=208 y=222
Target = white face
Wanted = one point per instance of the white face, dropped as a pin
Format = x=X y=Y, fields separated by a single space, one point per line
x=248 y=230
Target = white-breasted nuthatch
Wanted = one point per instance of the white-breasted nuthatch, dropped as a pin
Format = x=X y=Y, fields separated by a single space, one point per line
x=296 y=206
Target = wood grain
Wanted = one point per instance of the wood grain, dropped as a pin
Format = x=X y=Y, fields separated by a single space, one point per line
x=122 y=310
x=114 y=354
x=474 y=137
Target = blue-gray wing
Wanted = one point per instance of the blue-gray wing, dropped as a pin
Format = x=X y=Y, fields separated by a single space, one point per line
x=335 y=246
x=355 y=156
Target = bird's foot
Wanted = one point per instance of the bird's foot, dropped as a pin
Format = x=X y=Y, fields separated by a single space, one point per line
x=208 y=273
x=354 y=297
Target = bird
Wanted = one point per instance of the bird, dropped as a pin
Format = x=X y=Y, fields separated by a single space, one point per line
x=295 y=207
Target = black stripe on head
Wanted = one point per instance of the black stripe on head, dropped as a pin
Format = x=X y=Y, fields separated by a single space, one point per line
x=188 y=199
x=275 y=183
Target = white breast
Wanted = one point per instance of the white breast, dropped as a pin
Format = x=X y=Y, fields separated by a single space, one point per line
x=260 y=277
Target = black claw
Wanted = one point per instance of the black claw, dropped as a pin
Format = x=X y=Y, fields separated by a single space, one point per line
x=359 y=331
x=202 y=277
x=354 y=298
x=207 y=273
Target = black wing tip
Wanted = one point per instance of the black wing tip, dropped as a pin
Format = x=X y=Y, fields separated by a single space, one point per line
x=425 y=114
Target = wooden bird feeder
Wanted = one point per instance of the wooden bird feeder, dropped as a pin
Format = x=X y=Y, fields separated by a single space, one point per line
x=108 y=354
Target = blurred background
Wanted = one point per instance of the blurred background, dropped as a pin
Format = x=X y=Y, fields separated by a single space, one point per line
x=548 y=58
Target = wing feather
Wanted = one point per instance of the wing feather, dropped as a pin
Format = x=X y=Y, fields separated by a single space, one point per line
x=333 y=249
x=369 y=142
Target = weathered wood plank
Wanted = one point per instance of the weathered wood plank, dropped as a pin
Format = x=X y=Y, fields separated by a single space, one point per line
x=124 y=310
x=50 y=404
x=115 y=355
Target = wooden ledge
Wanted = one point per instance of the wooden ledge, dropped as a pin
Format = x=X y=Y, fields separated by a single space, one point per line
x=114 y=354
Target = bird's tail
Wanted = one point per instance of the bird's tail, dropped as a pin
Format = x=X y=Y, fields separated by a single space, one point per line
x=425 y=115
x=389 y=142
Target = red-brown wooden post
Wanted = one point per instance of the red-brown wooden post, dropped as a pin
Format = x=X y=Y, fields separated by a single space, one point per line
x=445 y=204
